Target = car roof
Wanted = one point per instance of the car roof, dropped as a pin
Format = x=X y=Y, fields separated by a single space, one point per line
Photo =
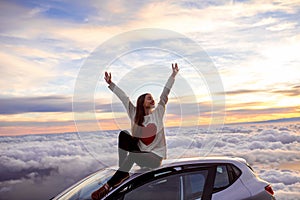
x=191 y=161
x=202 y=160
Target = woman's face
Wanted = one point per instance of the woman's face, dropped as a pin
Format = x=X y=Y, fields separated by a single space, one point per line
x=149 y=101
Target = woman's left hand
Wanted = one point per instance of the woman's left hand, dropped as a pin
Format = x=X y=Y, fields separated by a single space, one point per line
x=175 y=69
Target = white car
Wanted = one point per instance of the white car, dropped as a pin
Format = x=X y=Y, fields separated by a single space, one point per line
x=202 y=178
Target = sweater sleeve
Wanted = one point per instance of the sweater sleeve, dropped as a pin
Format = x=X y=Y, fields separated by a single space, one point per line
x=164 y=95
x=130 y=108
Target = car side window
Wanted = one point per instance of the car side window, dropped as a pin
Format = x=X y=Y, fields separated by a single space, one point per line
x=167 y=188
x=222 y=178
x=194 y=184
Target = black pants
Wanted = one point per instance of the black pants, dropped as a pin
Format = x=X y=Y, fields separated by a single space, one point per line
x=130 y=153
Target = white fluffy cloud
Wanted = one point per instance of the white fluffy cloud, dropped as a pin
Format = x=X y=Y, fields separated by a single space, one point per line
x=47 y=164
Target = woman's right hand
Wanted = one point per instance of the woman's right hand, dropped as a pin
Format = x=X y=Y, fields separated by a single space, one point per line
x=107 y=77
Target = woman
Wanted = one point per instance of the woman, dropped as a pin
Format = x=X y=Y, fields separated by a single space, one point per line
x=147 y=145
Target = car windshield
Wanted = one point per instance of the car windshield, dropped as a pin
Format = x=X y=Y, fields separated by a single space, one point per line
x=84 y=188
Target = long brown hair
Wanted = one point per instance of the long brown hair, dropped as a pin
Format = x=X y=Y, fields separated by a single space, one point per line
x=140 y=111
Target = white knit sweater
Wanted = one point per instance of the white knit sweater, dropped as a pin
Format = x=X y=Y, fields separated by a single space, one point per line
x=158 y=146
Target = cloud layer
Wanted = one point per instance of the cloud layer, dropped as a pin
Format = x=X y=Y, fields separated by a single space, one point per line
x=40 y=166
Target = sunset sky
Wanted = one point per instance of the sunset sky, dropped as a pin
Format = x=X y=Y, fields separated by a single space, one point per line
x=254 y=45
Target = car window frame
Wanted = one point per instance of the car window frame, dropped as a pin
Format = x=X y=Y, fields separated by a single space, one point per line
x=232 y=178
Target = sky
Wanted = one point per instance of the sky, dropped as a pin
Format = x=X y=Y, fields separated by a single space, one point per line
x=46 y=45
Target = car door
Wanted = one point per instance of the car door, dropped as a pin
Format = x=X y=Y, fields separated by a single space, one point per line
x=227 y=184
x=198 y=183
x=185 y=184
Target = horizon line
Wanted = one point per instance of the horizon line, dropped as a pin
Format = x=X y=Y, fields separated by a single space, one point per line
x=291 y=119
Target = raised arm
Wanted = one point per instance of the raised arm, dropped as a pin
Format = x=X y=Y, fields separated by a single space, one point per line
x=130 y=108
x=164 y=95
